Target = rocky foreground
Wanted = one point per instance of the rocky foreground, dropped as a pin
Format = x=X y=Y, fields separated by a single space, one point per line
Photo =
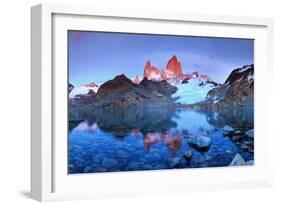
x=103 y=156
x=243 y=139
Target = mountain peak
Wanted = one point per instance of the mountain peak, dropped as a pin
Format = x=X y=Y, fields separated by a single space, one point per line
x=151 y=72
x=174 y=57
x=173 y=73
x=247 y=71
x=122 y=77
x=174 y=67
x=148 y=63
x=173 y=60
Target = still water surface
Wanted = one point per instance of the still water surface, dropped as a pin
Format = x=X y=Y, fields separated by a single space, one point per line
x=147 y=139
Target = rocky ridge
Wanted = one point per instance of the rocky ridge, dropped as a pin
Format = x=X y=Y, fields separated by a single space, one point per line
x=237 y=91
x=123 y=93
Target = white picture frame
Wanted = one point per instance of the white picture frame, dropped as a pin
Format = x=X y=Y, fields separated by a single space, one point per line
x=49 y=179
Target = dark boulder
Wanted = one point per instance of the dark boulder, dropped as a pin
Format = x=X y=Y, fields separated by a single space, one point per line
x=250 y=133
x=199 y=142
x=187 y=156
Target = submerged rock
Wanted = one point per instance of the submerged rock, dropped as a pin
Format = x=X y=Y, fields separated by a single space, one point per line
x=228 y=151
x=250 y=133
x=175 y=162
x=236 y=138
x=147 y=167
x=109 y=162
x=159 y=167
x=188 y=156
x=250 y=162
x=199 y=142
x=237 y=161
x=155 y=157
x=248 y=143
x=227 y=130
x=244 y=146
x=135 y=166
x=123 y=154
x=97 y=158
x=238 y=132
x=251 y=150
x=88 y=169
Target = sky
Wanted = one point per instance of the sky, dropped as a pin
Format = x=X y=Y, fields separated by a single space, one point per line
x=100 y=56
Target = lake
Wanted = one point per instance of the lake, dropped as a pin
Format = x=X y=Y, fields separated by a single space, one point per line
x=111 y=140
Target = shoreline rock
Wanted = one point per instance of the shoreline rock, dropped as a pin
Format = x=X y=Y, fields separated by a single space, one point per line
x=250 y=133
x=175 y=162
x=199 y=142
x=227 y=130
x=237 y=161
x=109 y=162
x=188 y=155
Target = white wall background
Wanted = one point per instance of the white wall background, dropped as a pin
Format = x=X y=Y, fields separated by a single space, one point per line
x=15 y=95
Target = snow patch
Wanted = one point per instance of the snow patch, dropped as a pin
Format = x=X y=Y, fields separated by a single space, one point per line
x=81 y=90
x=250 y=77
x=215 y=101
x=155 y=76
x=245 y=68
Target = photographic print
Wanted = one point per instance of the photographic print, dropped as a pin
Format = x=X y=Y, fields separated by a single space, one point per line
x=149 y=102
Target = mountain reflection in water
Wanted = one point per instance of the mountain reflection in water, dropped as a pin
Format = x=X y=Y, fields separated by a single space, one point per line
x=150 y=138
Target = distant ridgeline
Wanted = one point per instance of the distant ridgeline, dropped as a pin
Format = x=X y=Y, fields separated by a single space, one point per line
x=168 y=87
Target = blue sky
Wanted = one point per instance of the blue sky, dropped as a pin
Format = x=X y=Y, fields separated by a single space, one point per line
x=99 y=56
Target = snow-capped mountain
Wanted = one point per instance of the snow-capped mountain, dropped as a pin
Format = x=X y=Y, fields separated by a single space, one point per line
x=83 y=90
x=237 y=90
x=192 y=87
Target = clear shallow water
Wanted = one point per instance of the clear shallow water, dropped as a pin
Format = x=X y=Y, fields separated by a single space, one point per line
x=146 y=139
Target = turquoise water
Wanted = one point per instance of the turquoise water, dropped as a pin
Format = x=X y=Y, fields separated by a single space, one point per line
x=148 y=139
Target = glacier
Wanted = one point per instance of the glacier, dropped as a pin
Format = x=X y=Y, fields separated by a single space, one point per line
x=195 y=90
